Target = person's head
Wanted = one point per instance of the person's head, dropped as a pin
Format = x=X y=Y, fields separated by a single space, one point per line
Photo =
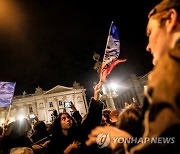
x=163 y=28
x=126 y=104
x=40 y=126
x=105 y=117
x=48 y=127
x=55 y=114
x=130 y=120
x=66 y=121
x=114 y=114
x=63 y=122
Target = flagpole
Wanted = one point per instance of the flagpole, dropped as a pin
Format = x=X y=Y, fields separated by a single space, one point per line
x=7 y=118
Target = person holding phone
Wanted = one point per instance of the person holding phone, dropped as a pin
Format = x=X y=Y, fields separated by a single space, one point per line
x=67 y=135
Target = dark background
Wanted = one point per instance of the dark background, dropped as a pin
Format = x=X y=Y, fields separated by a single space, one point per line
x=50 y=42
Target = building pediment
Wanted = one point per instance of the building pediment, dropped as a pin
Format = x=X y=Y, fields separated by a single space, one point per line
x=58 y=89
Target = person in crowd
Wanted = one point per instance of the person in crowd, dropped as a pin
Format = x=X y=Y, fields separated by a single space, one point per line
x=16 y=138
x=67 y=136
x=49 y=127
x=130 y=120
x=114 y=114
x=128 y=126
x=161 y=105
x=40 y=131
x=54 y=115
x=105 y=117
x=40 y=137
x=126 y=104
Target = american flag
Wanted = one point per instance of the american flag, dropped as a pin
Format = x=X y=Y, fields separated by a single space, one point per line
x=6 y=93
x=112 y=51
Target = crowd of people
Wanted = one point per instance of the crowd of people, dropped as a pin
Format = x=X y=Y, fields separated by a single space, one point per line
x=161 y=108
x=67 y=133
x=101 y=129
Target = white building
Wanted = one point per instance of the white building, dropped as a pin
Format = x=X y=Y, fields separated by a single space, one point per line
x=132 y=91
x=42 y=103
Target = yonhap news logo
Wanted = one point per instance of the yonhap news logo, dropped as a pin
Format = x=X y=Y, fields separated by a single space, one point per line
x=103 y=140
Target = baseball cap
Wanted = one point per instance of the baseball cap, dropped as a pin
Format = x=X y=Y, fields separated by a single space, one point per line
x=164 y=5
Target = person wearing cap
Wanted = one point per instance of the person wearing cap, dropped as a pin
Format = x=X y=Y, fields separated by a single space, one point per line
x=162 y=96
x=162 y=117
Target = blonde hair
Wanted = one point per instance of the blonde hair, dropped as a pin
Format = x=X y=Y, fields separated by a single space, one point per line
x=162 y=16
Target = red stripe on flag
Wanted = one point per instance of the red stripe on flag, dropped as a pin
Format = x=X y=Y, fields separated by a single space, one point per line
x=105 y=71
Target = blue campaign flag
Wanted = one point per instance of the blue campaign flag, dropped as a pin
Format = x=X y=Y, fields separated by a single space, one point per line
x=112 y=51
x=6 y=93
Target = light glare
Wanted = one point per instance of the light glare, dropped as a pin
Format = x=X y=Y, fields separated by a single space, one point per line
x=113 y=86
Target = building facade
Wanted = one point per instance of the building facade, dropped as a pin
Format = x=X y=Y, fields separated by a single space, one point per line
x=42 y=103
x=132 y=91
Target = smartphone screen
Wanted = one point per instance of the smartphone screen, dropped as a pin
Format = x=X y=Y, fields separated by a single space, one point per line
x=31 y=116
x=67 y=104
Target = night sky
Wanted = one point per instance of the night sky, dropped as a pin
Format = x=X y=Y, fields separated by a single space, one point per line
x=48 y=42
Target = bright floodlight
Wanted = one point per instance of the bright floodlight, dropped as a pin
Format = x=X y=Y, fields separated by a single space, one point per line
x=113 y=86
x=20 y=117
